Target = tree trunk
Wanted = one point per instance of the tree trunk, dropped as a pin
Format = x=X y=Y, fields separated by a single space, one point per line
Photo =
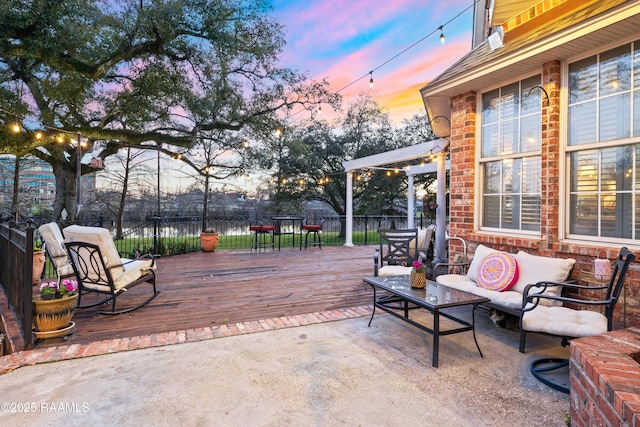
x=65 y=193
x=205 y=202
x=123 y=196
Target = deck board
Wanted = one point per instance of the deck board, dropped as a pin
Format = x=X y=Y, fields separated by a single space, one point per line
x=206 y=289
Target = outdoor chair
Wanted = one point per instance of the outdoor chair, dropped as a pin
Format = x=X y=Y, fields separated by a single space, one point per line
x=262 y=235
x=54 y=246
x=454 y=263
x=314 y=228
x=99 y=269
x=568 y=323
x=398 y=249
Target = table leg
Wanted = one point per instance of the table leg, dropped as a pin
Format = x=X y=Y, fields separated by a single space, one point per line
x=473 y=328
x=374 y=305
x=436 y=337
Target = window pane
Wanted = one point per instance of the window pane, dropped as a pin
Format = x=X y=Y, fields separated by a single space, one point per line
x=582 y=123
x=616 y=215
x=511 y=176
x=582 y=80
x=509 y=101
x=583 y=213
x=490 y=103
x=530 y=133
x=491 y=211
x=510 y=212
x=616 y=169
x=530 y=213
x=508 y=137
x=492 y=178
x=531 y=170
x=584 y=171
x=531 y=97
x=615 y=113
x=615 y=70
x=490 y=141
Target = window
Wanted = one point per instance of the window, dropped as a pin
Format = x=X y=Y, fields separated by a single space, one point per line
x=603 y=145
x=510 y=161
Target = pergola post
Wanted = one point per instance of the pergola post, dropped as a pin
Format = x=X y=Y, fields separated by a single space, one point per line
x=411 y=203
x=348 y=239
x=441 y=211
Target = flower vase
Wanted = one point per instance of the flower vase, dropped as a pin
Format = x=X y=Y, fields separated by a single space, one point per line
x=54 y=314
x=209 y=241
x=417 y=279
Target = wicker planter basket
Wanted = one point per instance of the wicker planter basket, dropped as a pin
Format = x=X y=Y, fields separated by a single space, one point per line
x=417 y=280
x=51 y=315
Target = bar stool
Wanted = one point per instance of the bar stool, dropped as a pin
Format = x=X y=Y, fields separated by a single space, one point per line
x=315 y=229
x=262 y=236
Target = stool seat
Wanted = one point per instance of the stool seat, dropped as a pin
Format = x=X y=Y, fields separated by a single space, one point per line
x=312 y=227
x=264 y=231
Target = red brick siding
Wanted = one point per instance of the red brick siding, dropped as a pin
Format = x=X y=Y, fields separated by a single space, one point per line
x=463 y=197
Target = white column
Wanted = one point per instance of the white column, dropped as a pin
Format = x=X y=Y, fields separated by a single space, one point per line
x=441 y=211
x=411 y=204
x=349 y=211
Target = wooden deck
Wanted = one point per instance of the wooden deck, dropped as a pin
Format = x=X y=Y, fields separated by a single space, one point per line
x=206 y=289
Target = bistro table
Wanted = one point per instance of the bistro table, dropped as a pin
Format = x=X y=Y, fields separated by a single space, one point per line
x=282 y=222
x=434 y=297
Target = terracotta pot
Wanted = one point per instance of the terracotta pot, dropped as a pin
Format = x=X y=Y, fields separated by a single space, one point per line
x=38 y=266
x=209 y=241
x=51 y=315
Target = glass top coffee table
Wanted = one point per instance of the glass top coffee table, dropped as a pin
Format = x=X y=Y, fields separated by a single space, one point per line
x=400 y=298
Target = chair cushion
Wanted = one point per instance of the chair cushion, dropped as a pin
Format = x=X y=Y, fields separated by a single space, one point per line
x=533 y=269
x=481 y=252
x=564 y=321
x=394 y=270
x=102 y=238
x=497 y=271
x=52 y=236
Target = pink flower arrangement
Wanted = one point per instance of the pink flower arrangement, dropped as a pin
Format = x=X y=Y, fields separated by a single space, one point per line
x=53 y=290
x=418 y=266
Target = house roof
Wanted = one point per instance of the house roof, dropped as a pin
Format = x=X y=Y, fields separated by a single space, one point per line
x=593 y=24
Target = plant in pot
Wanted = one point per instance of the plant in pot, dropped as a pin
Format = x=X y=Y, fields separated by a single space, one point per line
x=209 y=239
x=54 y=307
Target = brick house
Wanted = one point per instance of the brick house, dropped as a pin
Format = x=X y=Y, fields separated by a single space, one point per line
x=544 y=132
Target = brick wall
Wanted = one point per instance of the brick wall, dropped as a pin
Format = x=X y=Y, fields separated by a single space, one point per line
x=605 y=379
x=463 y=139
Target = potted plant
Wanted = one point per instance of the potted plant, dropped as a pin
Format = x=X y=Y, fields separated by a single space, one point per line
x=418 y=278
x=38 y=264
x=54 y=307
x=209 y=239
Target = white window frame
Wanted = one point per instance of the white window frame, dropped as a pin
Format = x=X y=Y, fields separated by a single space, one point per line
x=481 y=162
x=567 y=150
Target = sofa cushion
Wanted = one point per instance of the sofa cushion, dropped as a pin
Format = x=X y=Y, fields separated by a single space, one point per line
x=534 y=268
x=509 y=298
x=564 y=321
x=481 y=252
x=498 y=272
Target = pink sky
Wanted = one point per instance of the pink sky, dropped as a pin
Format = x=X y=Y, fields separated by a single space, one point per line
x=343 y=40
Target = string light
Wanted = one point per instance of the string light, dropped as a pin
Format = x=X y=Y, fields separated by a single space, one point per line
x=16 y=128
x=440 y=28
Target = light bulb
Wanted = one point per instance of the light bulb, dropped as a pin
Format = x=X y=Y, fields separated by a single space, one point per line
x=371 y=79
x=441 y=34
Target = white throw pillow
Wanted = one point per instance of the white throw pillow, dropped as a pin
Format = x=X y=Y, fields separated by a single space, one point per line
x=481 y=252
x=533 y=269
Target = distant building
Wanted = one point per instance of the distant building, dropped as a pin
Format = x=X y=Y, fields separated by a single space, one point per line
x=37 y=183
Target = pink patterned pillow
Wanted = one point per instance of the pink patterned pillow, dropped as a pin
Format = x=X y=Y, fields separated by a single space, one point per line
x=497 y=271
